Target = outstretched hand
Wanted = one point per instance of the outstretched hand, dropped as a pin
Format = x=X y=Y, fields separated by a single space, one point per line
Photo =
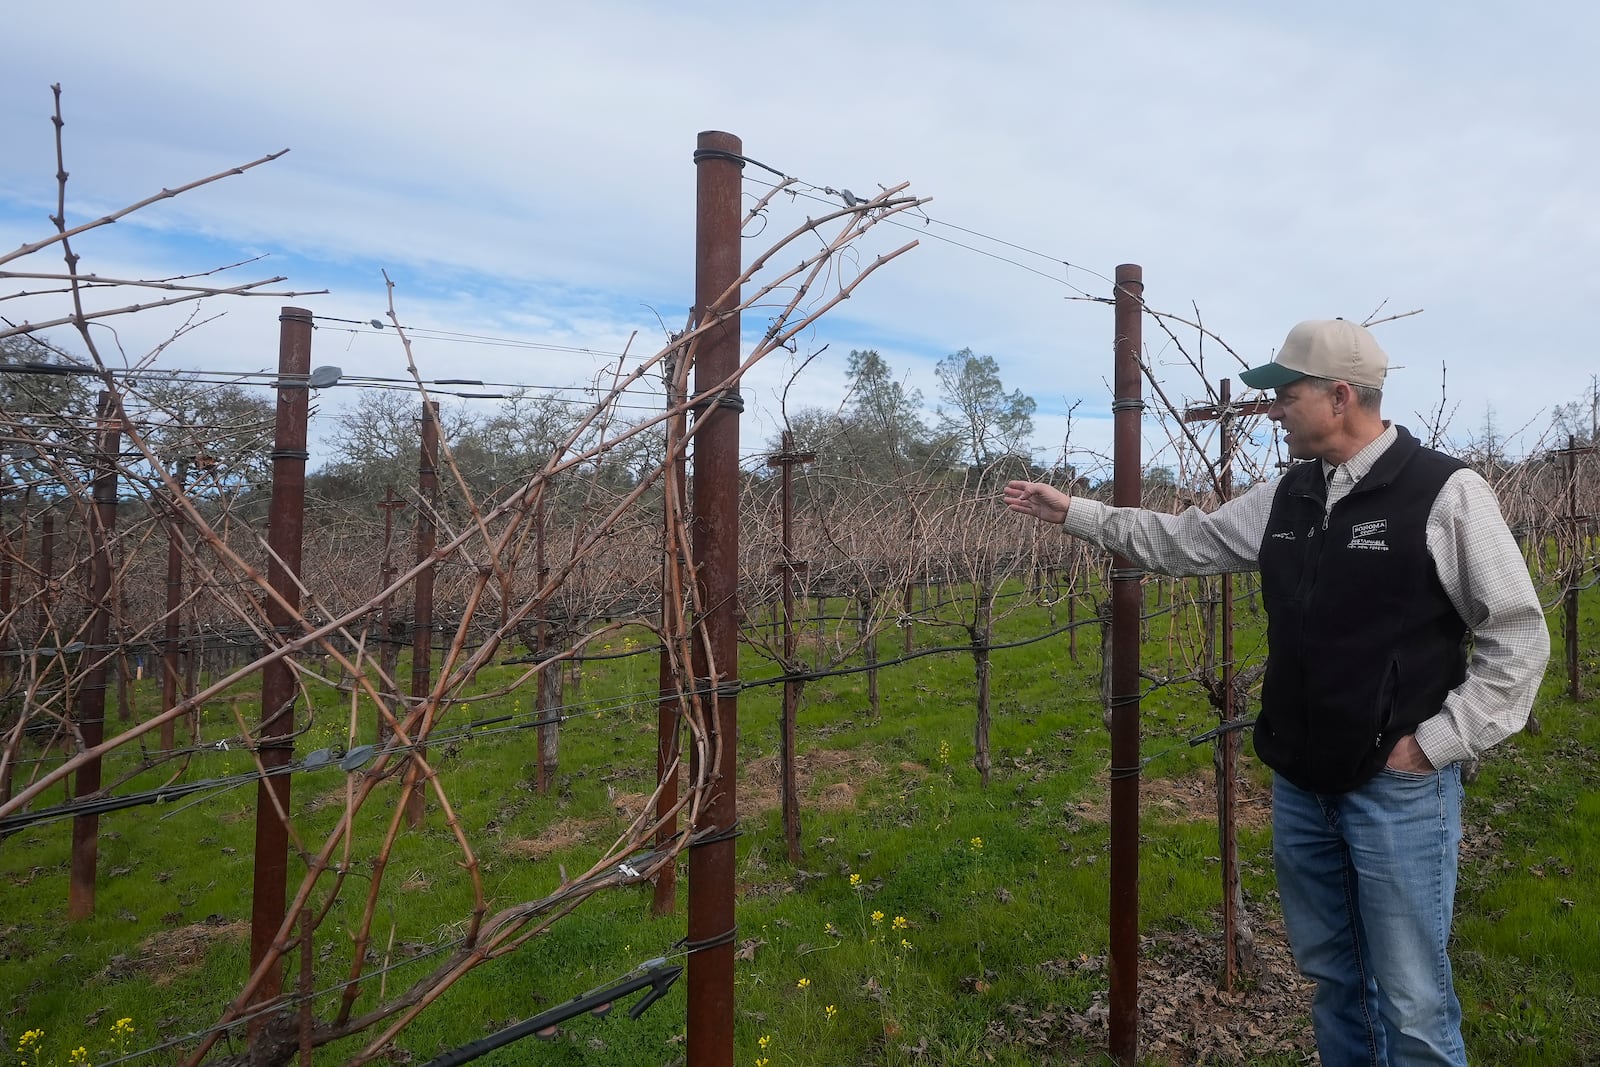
x=1038 y=499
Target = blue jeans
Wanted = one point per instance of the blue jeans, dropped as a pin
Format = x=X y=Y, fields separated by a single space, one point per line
x=1368 y=880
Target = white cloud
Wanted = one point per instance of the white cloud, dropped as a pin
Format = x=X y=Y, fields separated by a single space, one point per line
x=524 y=169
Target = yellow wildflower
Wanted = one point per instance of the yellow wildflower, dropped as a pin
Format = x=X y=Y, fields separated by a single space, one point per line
x=804 y=983
x=900 y=922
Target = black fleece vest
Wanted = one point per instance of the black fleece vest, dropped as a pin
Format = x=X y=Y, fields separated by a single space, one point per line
x=1362 y=642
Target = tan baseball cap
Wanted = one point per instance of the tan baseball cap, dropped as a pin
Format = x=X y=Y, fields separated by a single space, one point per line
x=1323 y=348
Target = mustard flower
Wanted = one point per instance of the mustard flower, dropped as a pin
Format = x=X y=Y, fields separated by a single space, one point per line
x=877 y=917
x=830 y=1011
x=804 y=983
x=28 y=1045
x=122 y=1030
x=855 y=881
x=900 y=922
x=764 y=1040
x=977 y=844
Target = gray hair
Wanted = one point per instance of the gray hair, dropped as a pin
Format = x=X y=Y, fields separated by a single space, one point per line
x=1367 y=398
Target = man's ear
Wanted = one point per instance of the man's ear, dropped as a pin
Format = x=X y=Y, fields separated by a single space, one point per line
x=1343 y=396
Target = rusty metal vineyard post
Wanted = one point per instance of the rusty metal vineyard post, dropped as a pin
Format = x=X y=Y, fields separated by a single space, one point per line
x=1227 y=746
x=1574 y=574
x=388 y=649
x=171 y=635
x=47 y=578
x=869 y=645
x=422 y=600
x=90 y=712
x=787 y=568
x=285 y=537
x=8 y=758
x=547 y=709
x=7 y=630
x=1127 y=605
x=719 y=191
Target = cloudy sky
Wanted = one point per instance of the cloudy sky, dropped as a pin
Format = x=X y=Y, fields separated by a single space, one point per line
x=522 y=170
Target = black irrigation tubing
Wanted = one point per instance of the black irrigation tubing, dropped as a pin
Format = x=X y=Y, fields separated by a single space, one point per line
x=231 y=744
x=12 y=824
x=323 y=758
x=320 y=759
x=1169 y=609
x=235 y=743
x=508 y=723
x=627 y=868
x=200 y=644
x=359 y=755
x=656 y=975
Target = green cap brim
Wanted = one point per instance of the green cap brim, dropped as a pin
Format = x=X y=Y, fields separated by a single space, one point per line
x=1270 y=376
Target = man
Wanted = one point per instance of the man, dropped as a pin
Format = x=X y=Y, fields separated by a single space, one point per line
x=1378 y=559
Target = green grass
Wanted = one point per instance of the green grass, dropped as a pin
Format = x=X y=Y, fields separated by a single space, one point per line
x=1003 y=891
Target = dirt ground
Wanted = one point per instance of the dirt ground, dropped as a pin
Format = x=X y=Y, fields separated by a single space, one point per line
x=166 y=954
x=1185 y=1017
x=840 y=770
x=1190 y=798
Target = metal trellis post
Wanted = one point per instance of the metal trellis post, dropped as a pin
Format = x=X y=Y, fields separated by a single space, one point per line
x=285 y=537
x=171 y=664
x=1227 y=743
x=788 y=568
x=47 y=577
x=6 y=628
x=1126 y=607
x=90 y=713
x=422 y=604
x=715 y=353
x=1574 y=575
x=388 y=649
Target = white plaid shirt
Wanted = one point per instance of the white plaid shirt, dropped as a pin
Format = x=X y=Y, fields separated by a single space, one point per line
x=1477 y=560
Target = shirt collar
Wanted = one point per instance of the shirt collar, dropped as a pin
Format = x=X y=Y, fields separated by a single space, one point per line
x=1357 y=466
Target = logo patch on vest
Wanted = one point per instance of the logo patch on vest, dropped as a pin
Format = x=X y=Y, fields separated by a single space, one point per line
x=1370 y=535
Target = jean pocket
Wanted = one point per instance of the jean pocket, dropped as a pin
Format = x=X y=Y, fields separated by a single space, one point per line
x=1408 y=776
